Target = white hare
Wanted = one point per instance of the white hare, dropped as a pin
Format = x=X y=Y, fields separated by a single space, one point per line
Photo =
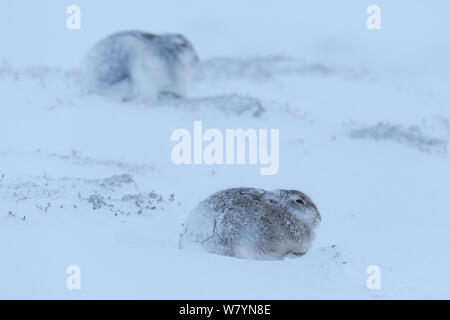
x=253 y=223
x=133 y=65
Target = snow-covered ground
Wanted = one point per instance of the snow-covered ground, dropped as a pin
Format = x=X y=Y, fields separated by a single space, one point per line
x=364 y=120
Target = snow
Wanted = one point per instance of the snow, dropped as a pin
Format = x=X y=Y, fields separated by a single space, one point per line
x=364 y=127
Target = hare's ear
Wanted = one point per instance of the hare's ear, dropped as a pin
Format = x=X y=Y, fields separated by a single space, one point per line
x=254 y=192
x=271 y=198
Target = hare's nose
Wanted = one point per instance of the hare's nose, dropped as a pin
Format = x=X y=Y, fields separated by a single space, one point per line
x=318 y=217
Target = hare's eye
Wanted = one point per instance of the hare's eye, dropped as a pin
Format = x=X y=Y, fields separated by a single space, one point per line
x=300 y=201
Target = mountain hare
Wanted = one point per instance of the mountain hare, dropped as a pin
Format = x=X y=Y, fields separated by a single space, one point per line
x=253 y=223
x=133 y=65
